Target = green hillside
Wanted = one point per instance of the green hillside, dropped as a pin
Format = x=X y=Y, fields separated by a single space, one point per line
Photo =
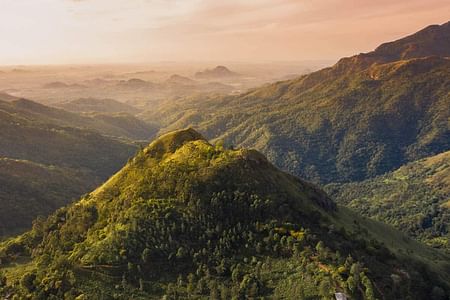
x=415 y=199
x=188 y=219
x=366 y=115
x=44 y=166
x=30 y=189
x=97 y=105
x=114 y=124
x=45 y=143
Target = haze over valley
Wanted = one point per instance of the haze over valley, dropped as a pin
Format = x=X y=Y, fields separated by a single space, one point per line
x=268 y=149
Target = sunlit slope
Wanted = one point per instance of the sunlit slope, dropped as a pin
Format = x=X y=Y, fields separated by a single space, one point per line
x=366 y=115
x=118 y=124
x=188 y=218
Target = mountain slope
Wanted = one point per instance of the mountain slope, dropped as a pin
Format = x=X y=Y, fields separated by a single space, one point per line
x=44 y=166
x=415 y=199
x=49 y=144
x=30 y=189
x=31 y=110
x=7 y=97
x=433 y=40
x=185 y=218
x=328 y=127
x=97 y=105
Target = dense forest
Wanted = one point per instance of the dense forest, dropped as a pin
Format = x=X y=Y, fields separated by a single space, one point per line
x=48 y=159
x=185 y=218
x=90 y=210
x=414 y=199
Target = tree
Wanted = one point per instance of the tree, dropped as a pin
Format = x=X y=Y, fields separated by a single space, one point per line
x=191 y=283
x=124 y=282
x=145 y=255
x=224 y=292
x=321 y=250
x=181 y=253
x=213 y=290
x=201 y=286
x=325 y=288
x=351 y=284
x=236 y=274
x=253 y=290
x=221 y=269
x=2 y=279
x=355 y=271
x=27 y=281
x=368 y=292
x=141 y=284
x=437 y=293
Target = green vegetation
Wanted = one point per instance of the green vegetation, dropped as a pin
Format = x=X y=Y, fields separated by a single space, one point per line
x=30 y=189
x=44 y=166
x=97 y=105
x=121 y=125
x=415 y=199
x=46 y=143
x=187 y=219
x=365 y=116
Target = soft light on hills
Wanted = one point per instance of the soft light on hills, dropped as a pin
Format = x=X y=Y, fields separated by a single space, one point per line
x=191 y=219
x=366 y=115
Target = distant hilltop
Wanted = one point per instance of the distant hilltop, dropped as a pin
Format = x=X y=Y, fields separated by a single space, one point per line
x=217 y=72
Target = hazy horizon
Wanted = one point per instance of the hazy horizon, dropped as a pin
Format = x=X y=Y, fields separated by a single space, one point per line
x=42 y=32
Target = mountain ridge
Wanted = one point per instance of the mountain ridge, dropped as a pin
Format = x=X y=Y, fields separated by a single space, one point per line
x=184 y=215
x=375 y=117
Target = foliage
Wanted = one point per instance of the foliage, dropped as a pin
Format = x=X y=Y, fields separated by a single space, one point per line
x=415 y=199
x=366 y=115
x=30 y=189
x=45 y=165
x=187 y=219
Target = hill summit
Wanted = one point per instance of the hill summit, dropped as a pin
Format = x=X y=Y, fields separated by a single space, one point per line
x=217 y=72
x=188 y=219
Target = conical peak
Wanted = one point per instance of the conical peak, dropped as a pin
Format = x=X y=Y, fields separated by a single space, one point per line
x=170 y=142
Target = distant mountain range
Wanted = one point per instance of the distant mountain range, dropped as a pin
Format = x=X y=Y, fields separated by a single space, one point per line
x=216 y=73
x=178 y=79
x=366 y=115
x=191 y=219
x=61 y=85
x=97 y=105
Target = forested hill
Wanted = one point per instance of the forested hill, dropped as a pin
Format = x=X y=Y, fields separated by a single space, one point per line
x=414 y=198
x=45 y=163
x=117 y=124
x=367 y=115
x=188 y=219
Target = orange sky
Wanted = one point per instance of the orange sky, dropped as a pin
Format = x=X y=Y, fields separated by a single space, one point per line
x=116 y=31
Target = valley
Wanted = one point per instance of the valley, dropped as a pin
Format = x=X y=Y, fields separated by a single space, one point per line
x=227 y=179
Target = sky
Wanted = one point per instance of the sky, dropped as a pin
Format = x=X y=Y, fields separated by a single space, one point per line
x=137 y=31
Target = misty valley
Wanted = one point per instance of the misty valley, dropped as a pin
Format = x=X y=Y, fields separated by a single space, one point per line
x=313 y=179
